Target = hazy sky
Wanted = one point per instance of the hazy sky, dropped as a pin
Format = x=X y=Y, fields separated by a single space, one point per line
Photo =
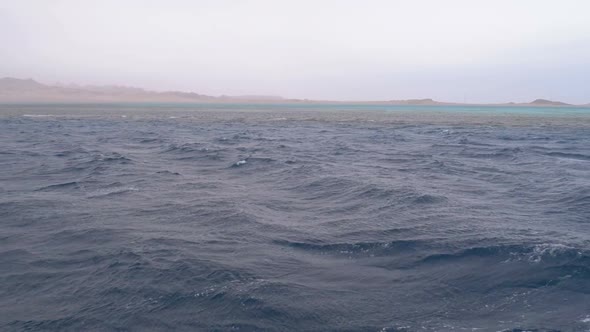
x=459 y=50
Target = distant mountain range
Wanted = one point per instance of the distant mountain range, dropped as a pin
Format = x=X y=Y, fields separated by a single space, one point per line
x=543 y=102
x=14 y=90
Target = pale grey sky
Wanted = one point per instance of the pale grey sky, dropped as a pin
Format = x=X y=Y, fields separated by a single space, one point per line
x=459 y=50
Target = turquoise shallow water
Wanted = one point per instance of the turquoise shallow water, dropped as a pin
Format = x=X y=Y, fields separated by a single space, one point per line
x=474 y=109
x=405 y=108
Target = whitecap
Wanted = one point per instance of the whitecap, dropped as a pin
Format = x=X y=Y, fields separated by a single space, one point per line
x=543 y=251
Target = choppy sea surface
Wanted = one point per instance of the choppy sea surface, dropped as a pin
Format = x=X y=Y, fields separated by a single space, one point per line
x=270 y=218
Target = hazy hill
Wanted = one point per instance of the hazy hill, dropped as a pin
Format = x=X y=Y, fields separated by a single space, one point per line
x=13 y=90
x=545 y=102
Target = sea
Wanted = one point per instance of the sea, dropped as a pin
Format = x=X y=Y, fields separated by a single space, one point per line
x=294 y=217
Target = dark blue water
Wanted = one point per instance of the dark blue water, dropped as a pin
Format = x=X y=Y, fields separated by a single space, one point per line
x=222 y=222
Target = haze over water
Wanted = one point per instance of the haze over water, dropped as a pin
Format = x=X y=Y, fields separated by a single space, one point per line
x=457 y=50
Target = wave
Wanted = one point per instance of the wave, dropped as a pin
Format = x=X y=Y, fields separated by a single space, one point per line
x=167 y=172
x=357 y=249
x=339 y=189
x=150 y=140
x=538 y=253
x=501 y=153
x=256 y=162
x=194 y=152
x=71 y=152
x=109 y=192
x=186 y=148
x=61 y=186
x=575 y=156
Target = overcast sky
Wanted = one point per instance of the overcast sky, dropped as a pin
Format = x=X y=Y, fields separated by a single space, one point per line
x=452 y=50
